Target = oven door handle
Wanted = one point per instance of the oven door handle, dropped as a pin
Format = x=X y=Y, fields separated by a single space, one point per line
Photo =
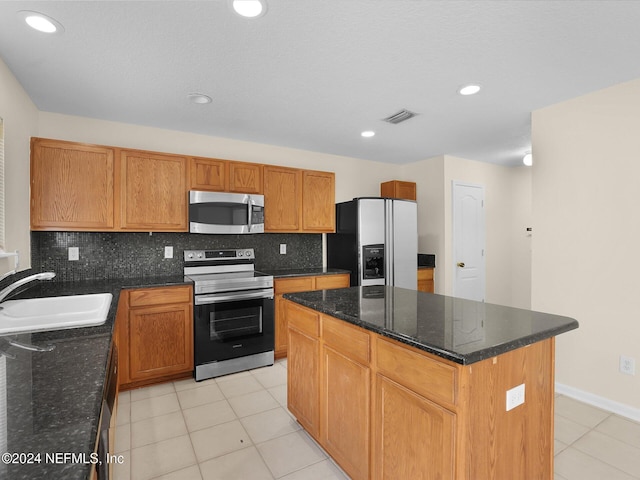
x=232 y=297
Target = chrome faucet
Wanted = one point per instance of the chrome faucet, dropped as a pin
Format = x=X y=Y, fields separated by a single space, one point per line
x=18 y=283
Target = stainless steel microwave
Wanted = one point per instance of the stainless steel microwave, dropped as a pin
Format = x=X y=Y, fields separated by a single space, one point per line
x=217 y=212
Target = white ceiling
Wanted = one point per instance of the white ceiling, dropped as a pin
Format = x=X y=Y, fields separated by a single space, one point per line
x=312 y=74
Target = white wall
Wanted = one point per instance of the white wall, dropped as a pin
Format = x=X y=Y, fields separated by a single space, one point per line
x=354 y=177
x=586 y=220
x=20 y=118
x=507 y=212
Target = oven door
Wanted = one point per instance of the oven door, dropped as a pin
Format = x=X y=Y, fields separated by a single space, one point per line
x=215 y=212
x=232 y=325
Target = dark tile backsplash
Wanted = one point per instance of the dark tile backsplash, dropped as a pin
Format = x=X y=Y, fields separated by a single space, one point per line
x=132 y=254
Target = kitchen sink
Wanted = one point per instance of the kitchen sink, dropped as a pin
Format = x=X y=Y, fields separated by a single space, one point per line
x=54 y=313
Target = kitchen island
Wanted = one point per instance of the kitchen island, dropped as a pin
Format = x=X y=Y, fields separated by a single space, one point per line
x=397 y=383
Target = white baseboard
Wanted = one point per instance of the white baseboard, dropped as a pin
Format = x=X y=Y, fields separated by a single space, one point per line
x=600 y=402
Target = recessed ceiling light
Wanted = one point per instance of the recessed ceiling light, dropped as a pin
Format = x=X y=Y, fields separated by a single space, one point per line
x=41 y=22
x=199 y=98
x=527 y=159
x=368 y=133
x=249 y=8
x=469 y=90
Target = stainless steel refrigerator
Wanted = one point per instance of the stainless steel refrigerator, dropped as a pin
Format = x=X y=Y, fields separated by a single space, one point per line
x=377 y=240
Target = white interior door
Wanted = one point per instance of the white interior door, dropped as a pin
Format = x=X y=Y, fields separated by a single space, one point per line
x=468 y=241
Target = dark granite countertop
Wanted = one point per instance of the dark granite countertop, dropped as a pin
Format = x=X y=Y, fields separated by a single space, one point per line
x=463 y=331
x=304 y=272
x=53 y=399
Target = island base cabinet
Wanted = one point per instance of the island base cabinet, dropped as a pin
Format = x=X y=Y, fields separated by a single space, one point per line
x=414 y=437
x=302 y=393
x=345 y=429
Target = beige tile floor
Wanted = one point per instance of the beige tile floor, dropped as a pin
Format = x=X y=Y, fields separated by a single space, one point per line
x=238 y=427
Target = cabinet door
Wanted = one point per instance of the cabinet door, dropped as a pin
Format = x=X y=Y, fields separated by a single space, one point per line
x=414 y=437
x=346 y=412
x=398 y=189
x=281 y=329
x=327 y=282
x=318 y=201
x=425 y=280
x=160 y=341
x=245 y=177
x=72 y=186
x=303 y=367
x=281 y=199
x=209 y=174
x=154 y=192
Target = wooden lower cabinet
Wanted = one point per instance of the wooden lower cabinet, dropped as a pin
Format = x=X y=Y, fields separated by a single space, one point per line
x=408 y=426
x=299 y=284
x=345 y=432
x=386 y=411
x=425 y=280
x=304 y=366
x=155 y=335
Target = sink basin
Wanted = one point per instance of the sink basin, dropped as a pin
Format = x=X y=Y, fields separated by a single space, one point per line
x=54 y=313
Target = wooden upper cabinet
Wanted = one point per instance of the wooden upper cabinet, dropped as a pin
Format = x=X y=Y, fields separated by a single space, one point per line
x=398 y=189
x=225 y=176
x=245 y=177
x=154 y=191
x=281 y=199
x=72 y=186
x=209 y=174
x=318 y=201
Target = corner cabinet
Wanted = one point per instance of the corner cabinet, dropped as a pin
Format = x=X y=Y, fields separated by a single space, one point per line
x=299 y=284
x=72 y=186
x=154 y=192
x=155 y=335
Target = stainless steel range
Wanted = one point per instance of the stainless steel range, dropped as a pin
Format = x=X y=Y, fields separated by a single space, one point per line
x=233 y=312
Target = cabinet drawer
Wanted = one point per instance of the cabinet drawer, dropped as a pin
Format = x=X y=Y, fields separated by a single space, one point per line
x=327 y=282
x=159 y=296
x=429 y=378
x=289 y=285
x=303 y=319
x=353 y=342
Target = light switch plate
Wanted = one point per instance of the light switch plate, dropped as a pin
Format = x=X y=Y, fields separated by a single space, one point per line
x=515 y=397
x=283 y=249
x=74 y=253
x=168 y=252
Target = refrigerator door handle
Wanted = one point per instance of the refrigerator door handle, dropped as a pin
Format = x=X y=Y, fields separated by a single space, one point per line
x=388 y=250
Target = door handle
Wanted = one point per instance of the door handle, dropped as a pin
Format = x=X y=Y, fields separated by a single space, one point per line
x=461 y=264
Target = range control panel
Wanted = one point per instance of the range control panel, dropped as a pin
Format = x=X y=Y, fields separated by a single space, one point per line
x=226 y=254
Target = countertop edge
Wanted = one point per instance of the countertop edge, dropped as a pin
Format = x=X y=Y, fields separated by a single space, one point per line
x=462 y=359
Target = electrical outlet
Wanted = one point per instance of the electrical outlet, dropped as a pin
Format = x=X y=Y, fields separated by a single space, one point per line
x=168 y=252
x=515 y=397
x=627 y=365
x=283 y=249
x=74 y=253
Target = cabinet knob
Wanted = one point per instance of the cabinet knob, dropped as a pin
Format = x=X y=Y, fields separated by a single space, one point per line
x=461 y=264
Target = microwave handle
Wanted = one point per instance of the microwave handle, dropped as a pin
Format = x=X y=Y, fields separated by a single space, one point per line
x=249 y=212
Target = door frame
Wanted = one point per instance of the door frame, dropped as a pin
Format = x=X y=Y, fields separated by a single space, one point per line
x=482 y=233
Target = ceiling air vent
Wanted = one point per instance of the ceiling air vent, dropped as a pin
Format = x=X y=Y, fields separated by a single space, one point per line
x=400 y=116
